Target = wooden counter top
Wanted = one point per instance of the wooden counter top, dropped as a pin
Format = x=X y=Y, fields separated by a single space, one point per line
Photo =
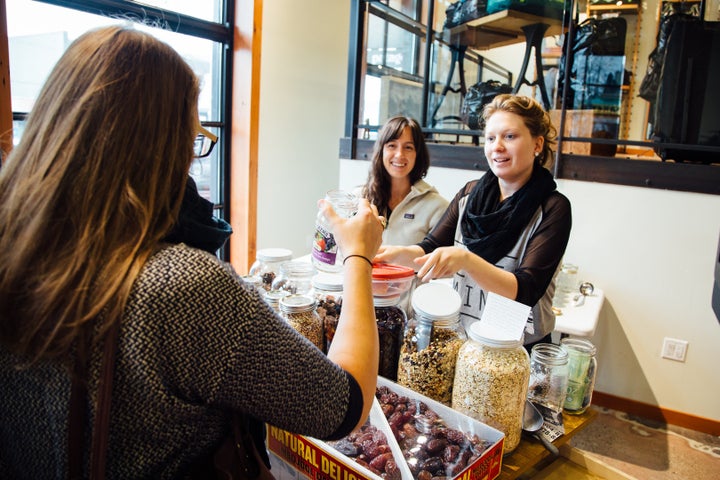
x=530 y=452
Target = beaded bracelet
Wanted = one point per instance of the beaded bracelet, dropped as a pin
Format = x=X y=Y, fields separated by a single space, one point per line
x=359 y=256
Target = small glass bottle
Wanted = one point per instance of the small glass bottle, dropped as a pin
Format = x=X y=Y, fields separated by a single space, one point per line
x=391 y=320
x=433 y=336
x=328 y=290
x=326 y=256
x=548 y=376
x=267 y=264
x=491 y=382
x=299 y=311
x=582 y=367
x=294 y=277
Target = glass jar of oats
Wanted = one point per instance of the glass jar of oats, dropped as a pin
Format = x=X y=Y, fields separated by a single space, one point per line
x=299 y=311
x=491 y=381
x=431 y=341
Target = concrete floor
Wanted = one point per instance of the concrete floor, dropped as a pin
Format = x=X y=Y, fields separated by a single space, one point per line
x=619 y=446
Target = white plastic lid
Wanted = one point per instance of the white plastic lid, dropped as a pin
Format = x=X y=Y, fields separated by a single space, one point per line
x=332 y=282
x=274 y=254
x=436 y=301
x=492 y=337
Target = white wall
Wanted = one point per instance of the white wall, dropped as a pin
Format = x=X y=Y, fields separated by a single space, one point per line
x=651 y=251
x=302 y=116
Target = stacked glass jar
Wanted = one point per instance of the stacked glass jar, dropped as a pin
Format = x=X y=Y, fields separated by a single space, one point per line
x=433 y=337
x=491 y=382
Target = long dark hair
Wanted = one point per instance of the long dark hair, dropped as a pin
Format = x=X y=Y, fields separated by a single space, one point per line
x=93 y=186
x=377 y=187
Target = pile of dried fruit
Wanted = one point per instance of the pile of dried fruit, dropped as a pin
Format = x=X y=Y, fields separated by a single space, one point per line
x=431 y=449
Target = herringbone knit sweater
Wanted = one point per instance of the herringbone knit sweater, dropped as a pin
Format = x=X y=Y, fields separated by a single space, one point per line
x=194 y=343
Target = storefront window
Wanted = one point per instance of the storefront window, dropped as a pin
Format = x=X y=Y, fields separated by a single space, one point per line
x=39 y=32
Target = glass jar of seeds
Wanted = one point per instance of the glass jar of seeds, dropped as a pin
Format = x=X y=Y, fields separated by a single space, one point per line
x=328 y=290
x=299 y=312
x=491 y=382
x=433 y=336
x=267 y=264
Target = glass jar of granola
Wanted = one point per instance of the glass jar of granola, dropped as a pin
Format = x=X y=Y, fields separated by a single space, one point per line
x=491 y=382
x=432 y=338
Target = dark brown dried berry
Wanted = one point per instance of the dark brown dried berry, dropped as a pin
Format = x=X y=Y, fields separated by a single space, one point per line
x=450 y=454
x=379 y=462
x=436 y=445
x=424 y=475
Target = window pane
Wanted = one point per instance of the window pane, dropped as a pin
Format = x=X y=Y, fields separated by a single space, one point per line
x=39 y=33
x=204 y=9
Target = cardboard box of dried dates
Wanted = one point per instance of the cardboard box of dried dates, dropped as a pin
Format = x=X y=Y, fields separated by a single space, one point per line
x=408 y=436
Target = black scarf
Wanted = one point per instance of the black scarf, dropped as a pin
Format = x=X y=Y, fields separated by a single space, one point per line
x=490 y=228
x=196 y=226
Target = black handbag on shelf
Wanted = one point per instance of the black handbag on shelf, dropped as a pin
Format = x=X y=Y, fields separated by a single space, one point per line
x=463 y=11
x=476 y=98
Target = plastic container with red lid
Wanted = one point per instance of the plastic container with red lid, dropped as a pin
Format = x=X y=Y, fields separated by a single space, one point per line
x=389 y=279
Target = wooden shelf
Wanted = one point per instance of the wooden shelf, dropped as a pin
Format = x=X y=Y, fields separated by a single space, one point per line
x=500 y=29
x=632 y=7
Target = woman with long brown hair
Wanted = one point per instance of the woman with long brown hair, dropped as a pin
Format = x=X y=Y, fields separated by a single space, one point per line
x=86 y=198
x=396 y=184
x=506 y=232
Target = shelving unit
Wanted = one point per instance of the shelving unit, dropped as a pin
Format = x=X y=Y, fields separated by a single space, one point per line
x=628 y=91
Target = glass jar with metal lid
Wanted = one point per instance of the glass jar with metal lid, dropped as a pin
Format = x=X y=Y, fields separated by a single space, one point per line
x=433 y=336
x=299 y=311
x=491 y=382
x=328 y=290
x=267 y=264
x=548 y=376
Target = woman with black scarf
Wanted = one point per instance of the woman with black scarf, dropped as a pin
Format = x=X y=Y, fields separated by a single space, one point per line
x=506 y=232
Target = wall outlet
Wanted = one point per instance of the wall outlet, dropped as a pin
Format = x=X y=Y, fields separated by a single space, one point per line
x=674 y=349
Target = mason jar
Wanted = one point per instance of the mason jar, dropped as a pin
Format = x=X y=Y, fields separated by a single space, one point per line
x=491 y=382
x=267 y=264
x=433 y=336
x=325 y=255
x=582 y=368
x=328 y=291
x=299 y=312
x=294 y=277
x=548 y=376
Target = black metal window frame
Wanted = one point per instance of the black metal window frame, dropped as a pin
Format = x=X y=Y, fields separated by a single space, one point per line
x=220 y=32
x=667 y=175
